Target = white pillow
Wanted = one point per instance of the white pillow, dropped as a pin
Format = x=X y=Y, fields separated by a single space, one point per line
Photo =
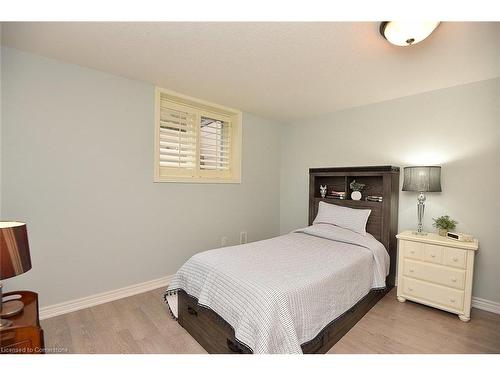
x=344 y=217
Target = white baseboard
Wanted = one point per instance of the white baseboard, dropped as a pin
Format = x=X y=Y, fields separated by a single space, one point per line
x=486 y=305
x=97 y=299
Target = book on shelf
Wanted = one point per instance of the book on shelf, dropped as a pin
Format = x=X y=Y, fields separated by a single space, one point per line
x=333 y=192
x=373 y=198
x=337 y=194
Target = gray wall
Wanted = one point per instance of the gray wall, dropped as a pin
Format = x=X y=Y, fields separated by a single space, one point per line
x=77 y=165
x=457 y=128
x=78 y=168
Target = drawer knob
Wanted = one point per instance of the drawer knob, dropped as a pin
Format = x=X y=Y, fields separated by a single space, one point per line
x=413 y=251
x=411 y=270
x=454 y=279
x=410 y=289
x=455 y=259
x=452 y=299
x=433 y=255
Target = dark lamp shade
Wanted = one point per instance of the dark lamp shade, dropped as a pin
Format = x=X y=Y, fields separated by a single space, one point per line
x=422 y=179
x=14 y=249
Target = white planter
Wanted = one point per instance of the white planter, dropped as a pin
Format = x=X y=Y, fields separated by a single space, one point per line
x=355 y=195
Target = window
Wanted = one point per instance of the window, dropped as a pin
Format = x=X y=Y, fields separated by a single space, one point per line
x=196 y=141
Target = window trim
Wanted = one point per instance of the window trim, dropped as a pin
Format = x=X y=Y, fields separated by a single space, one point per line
x=201 y=106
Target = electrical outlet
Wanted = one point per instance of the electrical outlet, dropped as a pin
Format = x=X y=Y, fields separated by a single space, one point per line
x=223 y=241
x=243 y=237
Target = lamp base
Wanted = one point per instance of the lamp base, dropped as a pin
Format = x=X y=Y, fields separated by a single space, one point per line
x=11 y=308
x=420 y=211
x=4 y=323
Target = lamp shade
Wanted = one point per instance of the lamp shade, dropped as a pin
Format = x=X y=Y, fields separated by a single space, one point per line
x=14 y=249
x=422 y=179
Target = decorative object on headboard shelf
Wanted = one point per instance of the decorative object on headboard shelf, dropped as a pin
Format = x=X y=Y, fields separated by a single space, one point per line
x=322 y=190
x=444 y=224
x=422 y=180
x=356 y=188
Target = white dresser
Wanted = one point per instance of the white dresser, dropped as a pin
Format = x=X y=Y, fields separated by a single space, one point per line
x=436 y=271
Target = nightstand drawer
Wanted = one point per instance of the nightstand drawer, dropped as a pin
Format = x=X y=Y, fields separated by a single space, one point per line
x=455 y=258
x=439 y=295
x=433 y=254
x=436 y=274
x=413 y=250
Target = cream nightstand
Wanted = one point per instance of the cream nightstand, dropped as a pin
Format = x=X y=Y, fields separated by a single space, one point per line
x=436 y=271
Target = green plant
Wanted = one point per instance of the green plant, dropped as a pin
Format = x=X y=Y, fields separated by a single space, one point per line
x=445 y=223
x=356 y=186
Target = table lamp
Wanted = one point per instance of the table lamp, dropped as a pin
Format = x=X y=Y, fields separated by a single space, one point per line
x=14 y=260
x=422 y=180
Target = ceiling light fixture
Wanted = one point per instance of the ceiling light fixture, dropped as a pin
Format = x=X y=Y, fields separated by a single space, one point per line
x=407 y=33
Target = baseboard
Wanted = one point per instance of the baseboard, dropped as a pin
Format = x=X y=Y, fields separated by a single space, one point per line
x=486 y=305
x=97 y=299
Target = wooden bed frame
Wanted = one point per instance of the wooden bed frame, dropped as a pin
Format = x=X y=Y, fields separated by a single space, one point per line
x=217 y=336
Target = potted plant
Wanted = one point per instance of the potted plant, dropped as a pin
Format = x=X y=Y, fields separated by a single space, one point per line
x=444 y=224
x=356 y=188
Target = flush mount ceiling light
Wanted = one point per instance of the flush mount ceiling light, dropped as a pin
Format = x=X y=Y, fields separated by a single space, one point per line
x=407 y=33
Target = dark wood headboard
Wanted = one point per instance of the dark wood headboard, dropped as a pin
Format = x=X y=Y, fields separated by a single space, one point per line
x=379 y=180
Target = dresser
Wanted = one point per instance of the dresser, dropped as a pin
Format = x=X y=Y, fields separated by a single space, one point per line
x=436 y=271
x=25 y=335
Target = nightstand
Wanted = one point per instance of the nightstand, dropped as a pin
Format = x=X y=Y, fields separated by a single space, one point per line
x=24 y=336
x=436 y=271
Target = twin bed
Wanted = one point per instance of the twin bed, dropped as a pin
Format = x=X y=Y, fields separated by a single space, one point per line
x=299 y=292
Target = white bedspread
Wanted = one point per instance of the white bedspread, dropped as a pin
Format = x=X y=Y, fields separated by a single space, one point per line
x=280 y=293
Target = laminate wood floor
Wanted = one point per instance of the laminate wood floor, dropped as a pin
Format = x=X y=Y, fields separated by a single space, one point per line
x=142 y=324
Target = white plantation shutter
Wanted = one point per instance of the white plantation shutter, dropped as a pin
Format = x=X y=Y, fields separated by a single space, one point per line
x=215 y=144
x=178 y=139
x=196 y=141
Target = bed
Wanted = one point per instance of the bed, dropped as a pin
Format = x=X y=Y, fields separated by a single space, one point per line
x=299 y=292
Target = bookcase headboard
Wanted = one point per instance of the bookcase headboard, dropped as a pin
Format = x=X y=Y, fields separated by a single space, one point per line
x=380 y=181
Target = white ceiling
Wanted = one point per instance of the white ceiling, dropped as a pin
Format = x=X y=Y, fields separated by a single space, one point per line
x=283 y=71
